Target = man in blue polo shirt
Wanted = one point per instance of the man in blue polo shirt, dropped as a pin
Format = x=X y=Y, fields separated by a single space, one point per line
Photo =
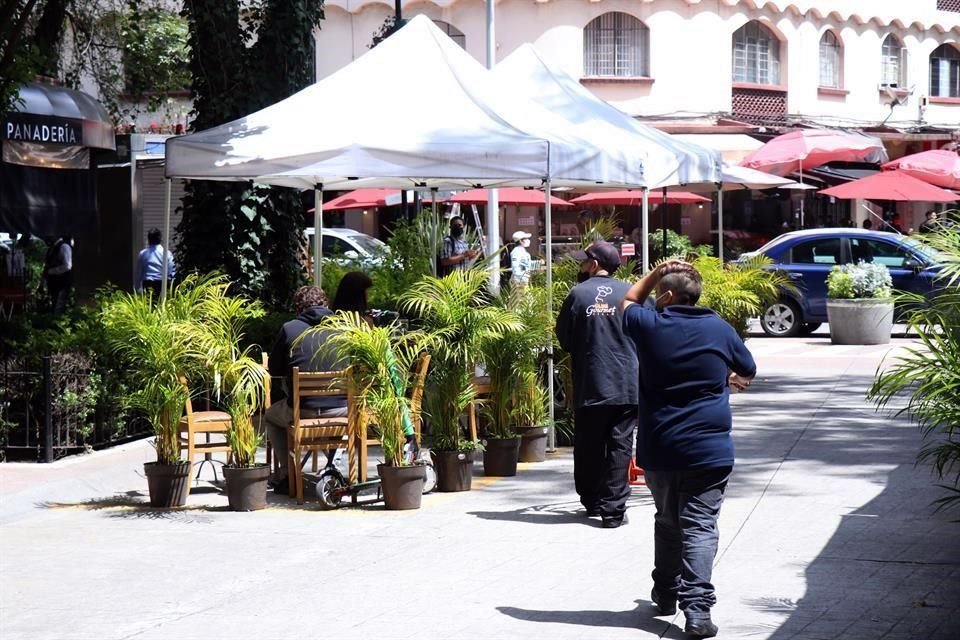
x=689 y=358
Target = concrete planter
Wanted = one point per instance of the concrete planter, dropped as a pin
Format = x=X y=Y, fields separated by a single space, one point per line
x=860 y=320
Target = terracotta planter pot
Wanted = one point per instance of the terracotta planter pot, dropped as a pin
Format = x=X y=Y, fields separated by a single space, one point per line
x=500 y=456
x=454 y=470
x=533 y=444
x=860 y=320
x=169 y=484
x=402 y=486
x=247 y=487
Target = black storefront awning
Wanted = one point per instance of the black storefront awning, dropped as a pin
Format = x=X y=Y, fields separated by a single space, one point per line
x=47 y=174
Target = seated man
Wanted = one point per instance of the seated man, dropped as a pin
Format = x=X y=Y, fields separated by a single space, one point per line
x=287 y=353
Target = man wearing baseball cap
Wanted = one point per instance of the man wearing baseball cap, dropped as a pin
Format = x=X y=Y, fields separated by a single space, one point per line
x=520 y=262
x=605 y=383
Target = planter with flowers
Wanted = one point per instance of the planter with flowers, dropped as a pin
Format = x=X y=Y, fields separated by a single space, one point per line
x=860 y=304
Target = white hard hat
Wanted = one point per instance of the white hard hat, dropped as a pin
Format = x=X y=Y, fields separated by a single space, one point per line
x=520 y=235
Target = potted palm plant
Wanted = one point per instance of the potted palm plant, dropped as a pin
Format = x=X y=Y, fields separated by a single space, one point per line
x=239 y=380
x=860 y=303
x=511 y=359
x=153 y=341
x=378 y=368
x=531 y=413
x=456 y=313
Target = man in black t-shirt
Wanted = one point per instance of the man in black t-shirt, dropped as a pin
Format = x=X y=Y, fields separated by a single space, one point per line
x=590 y=329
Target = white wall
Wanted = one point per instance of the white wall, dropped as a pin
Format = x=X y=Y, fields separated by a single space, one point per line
x=690 y=48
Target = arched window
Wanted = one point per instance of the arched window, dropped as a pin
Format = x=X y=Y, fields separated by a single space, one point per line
x=831 y=60
x=945 y=72
x=455 y=34
x=756 y=55
x=893 y=63
x=616 y=44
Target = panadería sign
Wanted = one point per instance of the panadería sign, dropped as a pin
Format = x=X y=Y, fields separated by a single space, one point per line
x=50 y=130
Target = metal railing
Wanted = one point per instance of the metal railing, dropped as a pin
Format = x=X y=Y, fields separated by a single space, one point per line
x=61 y=407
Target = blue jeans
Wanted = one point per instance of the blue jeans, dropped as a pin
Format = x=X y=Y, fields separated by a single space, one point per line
x=685 y=534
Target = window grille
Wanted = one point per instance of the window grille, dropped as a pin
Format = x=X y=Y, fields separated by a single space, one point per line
x=756 y=55
x=949 y=5
x=616 y=44
x=893 y=63
x=945 y=72
x=455 y=34
x=830 y=60
x=759 y=106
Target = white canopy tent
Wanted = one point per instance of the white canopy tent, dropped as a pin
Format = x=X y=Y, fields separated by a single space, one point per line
x=663 y=159
x=341 y=133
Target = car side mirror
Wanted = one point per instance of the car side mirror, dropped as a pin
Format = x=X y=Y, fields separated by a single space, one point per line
x=351 y=255
x=914 y=264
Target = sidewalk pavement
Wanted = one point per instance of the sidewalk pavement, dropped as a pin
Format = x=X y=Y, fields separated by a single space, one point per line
x=827 y=532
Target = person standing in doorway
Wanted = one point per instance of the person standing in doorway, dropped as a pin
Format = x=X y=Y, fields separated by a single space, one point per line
x=58 y=273
x=690 y=359
x=605 y=383
x=149 y=273
x=455 y=254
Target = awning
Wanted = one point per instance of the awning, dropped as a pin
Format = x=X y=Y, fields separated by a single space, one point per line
x=733 y=147
x=54 y=115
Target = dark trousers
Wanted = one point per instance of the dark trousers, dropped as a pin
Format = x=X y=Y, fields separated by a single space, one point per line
x=154 y=286
x=685 y=534
x=602 y=446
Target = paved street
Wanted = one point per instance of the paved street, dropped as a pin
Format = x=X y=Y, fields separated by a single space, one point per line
x=827 y=532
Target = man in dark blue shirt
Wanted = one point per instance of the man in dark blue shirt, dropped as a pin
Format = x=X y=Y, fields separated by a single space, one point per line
x=689 y=358
x=604 y=363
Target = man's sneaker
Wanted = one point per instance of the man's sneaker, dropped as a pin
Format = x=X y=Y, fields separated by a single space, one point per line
x=667 y=605
x=612 y=522
x=593 y=512
x=700 y=628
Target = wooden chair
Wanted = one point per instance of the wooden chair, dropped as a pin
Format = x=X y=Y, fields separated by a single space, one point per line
x=365 y=440
x=481 y=390
x=211 y=426
x=317 y=435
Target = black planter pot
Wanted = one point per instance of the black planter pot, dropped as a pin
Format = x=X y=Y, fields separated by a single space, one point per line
x=533 y=444
x=402 y=486
x=247 y=487
x=454 y=470
x=169 y=484
x=500 y=456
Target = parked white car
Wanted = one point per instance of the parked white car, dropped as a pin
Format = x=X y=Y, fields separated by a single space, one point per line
x=349 y=244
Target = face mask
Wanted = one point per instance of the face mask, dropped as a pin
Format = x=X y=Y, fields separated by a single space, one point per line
x=456 y=232
x=662 y=298
x=583 y=276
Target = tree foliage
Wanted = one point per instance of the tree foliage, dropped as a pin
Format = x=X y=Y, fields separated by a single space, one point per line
x=242 y=62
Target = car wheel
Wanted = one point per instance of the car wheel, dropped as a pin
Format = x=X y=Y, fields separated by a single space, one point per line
x=781 y=319
x=809 y=327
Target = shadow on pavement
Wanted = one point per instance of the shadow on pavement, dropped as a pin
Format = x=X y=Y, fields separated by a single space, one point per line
x=639 y=618
x=891 y=570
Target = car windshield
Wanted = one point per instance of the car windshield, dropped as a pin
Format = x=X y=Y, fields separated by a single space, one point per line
x=932 y=255
x=371 y=245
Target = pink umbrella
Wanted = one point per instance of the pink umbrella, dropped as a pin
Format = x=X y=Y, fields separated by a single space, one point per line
x=512 y=195
x=628 y=198
x=366 y=199
x=809 y=148
x=891 y=185
x=938 y=167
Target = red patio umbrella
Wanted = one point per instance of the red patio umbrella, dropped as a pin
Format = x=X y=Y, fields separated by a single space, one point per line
x=632 y=198
x=809 y=148
x=891 y=185
x=939 y=167
x=511 y=195
x=367 y=199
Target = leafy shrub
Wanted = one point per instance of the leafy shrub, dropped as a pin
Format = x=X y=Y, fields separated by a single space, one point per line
x=861 y=280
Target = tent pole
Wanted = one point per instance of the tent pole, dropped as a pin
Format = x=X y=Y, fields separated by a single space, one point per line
x=166 y=238
x=317 y=235
x=493 y=204
x=720 y=222
x=548 y=255
x=645 y=230
x=803 y=196
x=663 y=223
